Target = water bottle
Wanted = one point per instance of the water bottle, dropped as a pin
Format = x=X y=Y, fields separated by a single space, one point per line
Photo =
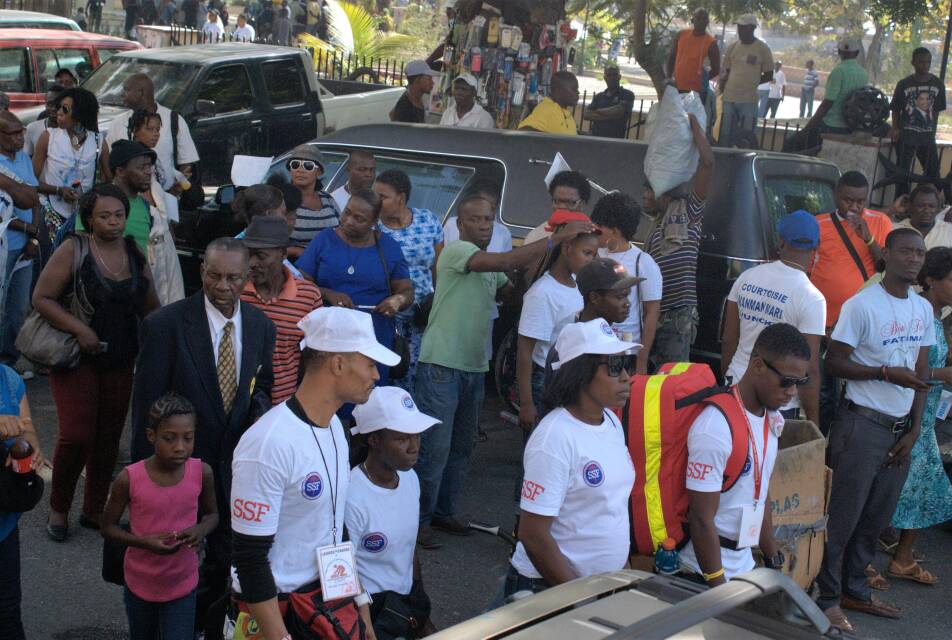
x=667 y=560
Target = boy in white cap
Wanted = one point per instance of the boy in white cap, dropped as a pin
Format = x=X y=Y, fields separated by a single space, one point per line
x=465 y=110
x=383 y=512
x=290 y=479
x=410 y=107
x=578 y=473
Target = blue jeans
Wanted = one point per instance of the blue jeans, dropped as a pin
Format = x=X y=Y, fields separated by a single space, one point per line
x=806 y=102
x=454 y=397
x=175 y=619
x=11 y=626
x=763 y=100
x=15 y=305
x=738 y=117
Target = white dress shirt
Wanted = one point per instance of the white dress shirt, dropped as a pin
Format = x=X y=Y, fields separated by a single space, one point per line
x=475 y=118
x=216 y=326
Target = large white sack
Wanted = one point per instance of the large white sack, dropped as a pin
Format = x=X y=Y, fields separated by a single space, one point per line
x=672 y=157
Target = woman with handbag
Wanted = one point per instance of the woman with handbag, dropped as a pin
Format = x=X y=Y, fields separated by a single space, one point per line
x=383 y=513
x=14 y=423
x=114 y=285
x=357 y=267
x=420 y=236
x=66 y=158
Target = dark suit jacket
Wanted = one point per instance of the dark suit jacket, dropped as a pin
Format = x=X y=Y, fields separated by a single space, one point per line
x=176 y=355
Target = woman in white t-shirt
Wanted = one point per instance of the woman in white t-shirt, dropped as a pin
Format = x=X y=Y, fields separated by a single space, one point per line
x=551 y=302
x=617 y=215
x=383 y=512
x=578 y=474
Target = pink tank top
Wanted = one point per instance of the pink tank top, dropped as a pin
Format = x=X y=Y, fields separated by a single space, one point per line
x=155 y=509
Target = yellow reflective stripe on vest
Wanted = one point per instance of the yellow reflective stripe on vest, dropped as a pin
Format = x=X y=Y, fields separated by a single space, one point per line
x=652 y=413
x=681 y=367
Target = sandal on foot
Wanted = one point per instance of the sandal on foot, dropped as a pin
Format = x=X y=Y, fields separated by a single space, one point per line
x=913 y=572
x=838 y=619
x=875 y=580
x=874 y=606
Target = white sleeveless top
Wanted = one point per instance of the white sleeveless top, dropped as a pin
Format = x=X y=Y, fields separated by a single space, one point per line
x=64 y=165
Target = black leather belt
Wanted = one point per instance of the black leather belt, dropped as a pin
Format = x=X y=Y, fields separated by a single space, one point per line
x=894 y=424
x=727 y=543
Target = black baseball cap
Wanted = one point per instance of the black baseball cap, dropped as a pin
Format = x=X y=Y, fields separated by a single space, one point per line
x=603 y=274
x=122 y=151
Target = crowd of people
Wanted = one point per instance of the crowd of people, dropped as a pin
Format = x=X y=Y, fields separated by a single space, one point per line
x=302 y=425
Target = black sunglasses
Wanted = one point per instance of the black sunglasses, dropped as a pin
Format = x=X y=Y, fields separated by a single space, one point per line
x=787 y=381
x=617 y=364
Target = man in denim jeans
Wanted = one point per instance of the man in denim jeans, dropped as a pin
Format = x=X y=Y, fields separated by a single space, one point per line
x=453 y=360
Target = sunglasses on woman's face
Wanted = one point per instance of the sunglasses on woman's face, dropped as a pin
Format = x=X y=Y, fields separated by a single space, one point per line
x=307 y=165
x=787 y=381
x=63 y=108
x=617 y=364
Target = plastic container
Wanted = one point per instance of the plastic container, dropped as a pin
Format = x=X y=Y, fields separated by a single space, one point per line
x=667 y=560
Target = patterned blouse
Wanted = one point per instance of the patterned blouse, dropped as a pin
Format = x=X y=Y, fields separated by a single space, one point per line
x=418 y=241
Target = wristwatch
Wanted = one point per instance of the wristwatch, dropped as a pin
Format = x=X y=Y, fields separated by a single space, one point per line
x=776 y=562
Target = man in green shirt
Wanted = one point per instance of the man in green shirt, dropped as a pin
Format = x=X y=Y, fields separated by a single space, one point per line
x=846 y=77
x=453 y=361
x=131 y=165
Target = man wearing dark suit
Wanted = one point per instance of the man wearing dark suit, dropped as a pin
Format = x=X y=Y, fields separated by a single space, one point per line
x=216 y=351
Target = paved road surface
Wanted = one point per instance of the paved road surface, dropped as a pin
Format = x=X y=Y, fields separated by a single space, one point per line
x=65 y=598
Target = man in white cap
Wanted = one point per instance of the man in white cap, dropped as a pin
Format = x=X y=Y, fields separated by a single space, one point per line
x=747 y=63
x=290 y=478
x=383 y=508
x=465 y=110
x=410 y=107
x=848 y=76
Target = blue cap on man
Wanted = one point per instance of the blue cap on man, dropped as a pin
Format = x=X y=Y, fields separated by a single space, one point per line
x=799 y=230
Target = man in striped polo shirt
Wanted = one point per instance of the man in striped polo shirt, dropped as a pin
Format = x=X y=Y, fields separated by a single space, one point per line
x=282 y=297
x=674 y=242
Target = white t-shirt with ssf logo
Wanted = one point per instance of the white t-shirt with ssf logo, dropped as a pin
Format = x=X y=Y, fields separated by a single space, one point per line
x=709 y=447
x=281 y=486
x=582 y=475
x=382 y=524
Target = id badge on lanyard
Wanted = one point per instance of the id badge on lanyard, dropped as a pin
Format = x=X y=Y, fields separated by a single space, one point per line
x=338 y=571
x=752 y=516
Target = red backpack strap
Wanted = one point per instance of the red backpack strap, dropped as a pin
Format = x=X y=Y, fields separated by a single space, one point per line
x=740 y=435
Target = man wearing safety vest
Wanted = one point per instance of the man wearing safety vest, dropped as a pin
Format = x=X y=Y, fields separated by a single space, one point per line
x=724 y=526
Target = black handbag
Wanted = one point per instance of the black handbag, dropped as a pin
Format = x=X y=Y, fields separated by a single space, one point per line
x=400 y=344
x=421 y=311
x=114 y=558
x=400 y=616
x=19 y=492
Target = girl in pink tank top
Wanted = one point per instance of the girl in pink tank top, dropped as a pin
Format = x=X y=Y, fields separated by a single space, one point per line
x=165 y=494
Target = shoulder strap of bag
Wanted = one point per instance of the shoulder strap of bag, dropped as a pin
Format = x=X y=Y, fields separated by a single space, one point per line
x=383 y=261
x=849 y=245
x=175 y=129
x=722 y=398
x=641 y=302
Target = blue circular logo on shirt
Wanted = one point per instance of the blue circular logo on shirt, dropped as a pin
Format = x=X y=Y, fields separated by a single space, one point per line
x=747 y=465
x=592 y=474
x=313 y=486
x=374 y=542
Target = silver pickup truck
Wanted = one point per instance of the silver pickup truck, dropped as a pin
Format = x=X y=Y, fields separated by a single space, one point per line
x=634 y=605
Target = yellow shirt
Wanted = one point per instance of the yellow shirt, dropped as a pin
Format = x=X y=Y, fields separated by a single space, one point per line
x=549 y=117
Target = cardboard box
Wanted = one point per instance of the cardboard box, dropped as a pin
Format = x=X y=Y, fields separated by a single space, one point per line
x=799 y=495
x=797 y=491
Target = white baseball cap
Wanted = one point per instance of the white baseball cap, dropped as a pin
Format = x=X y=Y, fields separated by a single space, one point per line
x=340 y=330
x=390 y=408
x=747 y=20
x=593 y=337
x=468 y=78
x=848 y=44
x=419 y=68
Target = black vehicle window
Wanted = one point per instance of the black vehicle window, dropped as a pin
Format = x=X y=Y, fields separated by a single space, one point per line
x=15 y=70
x=49 y=61
x=788 y=194
x=284 y=82
x=229 y=88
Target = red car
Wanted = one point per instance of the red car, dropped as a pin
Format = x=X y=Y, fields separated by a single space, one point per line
x=29 y=58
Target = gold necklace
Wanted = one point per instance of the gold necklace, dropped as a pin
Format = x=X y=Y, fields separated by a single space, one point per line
x=114 y=274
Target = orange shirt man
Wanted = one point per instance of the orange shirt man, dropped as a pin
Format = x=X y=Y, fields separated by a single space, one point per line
x=689 y=50
x=835 y=272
